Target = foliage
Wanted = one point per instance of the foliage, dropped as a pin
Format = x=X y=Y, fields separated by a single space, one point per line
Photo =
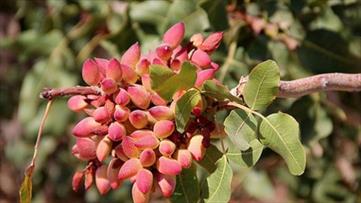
x=46 y=42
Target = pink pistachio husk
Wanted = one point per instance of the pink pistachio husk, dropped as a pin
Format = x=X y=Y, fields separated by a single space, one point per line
x=138 y=119
x=161 y=113
x=158 y=61
x=129 y=168
x=85 y=127
x=174 y=35
x=142 y=67
x=164 y=52
x=118 y=150
x=178 y=94
x=101 y=180
x=168 y=166
x=88 y=178
x=109 y=106
x=112 y=173
x=102 y=65
x=166 y=184
x=181 y=54
x=114 y=70
x=100 y=101
x=138 y=196
x=201 y=58
x=175 y=65
x=129 y=148
x=116 y=131
x=103 y=149
x=197 y=39
x=204 y=75
x=128 y=74
x=90 y=72
x=163 y=128
x=131 y=56
x=212 y=42
x=77 y=103
x=109 y=86
x=86 y=148
x=122 y=97
x=196 y=147
x=121 y=114
x=101 y=115
x=144 y=180
x=146 y=82
x=157 y=100
x=147 y=157
x=139 y=96
x=166 y=148
x=144 y=139
x=184 y=157
x=77 y=180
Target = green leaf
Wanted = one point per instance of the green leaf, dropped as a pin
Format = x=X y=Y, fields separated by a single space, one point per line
x=248 y=158
x=217 y=91
x=262 y=85
x=166 y=84
x=210 y=158
x=280 y=132
x=187 y=188
x=217 y=14
x=217 y=187
x=184 y=108
x=25 y=191
x=239 y=124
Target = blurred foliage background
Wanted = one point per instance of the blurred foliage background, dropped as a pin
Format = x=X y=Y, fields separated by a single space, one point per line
x=44 y=42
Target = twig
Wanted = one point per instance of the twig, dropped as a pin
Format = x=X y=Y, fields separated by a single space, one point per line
x=50 y=93
x=308 y=85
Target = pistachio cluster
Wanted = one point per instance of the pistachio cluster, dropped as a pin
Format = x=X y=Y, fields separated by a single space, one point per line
x=130 y=131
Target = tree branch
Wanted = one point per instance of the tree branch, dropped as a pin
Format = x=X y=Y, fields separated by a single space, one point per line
x=308 y=85
x=287 y=89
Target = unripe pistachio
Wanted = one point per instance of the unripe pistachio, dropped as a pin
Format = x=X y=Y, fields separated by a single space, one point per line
x=178 y=94
x=146 y=82
x=164 y=52
x=144 y=180
x=204 y=75
x=122 y=97
x=164 y=128
x=184 y=157
x=118 y=150
x=157 y=100
x=112 y=173
x=131 y=56
x=142 y=67
x=147 y=157
x=212 y=42
x=129 y=168
x=102 y=65
x=166 y=148
x=100 y=101
x=161 y=113
x=158 y=61
x=114 y=70
x=175 y=65
x=121 y=114
x=101 y=115
x=116 y=131
x=196 y=147
x=85 y=127
x=197 y=39
x=174 y=35
x=101 y=180
x=109 y=86
x=90 y=72
x=103 y=149
x=139 y=96
x=88 y=178
x=144 y=139
x=138 y=196
x=168 y=166
x=128 y=74
x=77 y=103
x=166 y=184
x=86 y=148
x=129 y=148
x=201 y=58
x=109 y=106
x=77 y=180
x=138 y=119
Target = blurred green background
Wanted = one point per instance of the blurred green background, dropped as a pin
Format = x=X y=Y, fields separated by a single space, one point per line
x=44 y=42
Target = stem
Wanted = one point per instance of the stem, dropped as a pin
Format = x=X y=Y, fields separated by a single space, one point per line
x=30 y=168
x=50 y=93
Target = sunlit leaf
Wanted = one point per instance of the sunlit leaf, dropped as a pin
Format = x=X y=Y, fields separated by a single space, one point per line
x=184 y=108
x=187 y=188
x=217 y=91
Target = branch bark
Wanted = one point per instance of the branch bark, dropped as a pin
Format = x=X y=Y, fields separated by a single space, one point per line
x=287 y=89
